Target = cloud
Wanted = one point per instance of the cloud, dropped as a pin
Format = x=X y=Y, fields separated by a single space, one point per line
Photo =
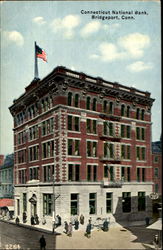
x=134 y=43
x=126 y=47
x=65 y=25
x=108 y=52
x=39 y=20
x=14 y=36
x=90 y=28
x=139 y=66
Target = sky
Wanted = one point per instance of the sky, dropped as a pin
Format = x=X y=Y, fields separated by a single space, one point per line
x=124 y=48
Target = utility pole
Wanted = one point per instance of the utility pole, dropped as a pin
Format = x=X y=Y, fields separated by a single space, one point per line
x=53 y=203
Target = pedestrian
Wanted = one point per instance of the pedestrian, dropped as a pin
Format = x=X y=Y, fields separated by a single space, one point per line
x=82 y=219
x=42 y=243
x=105 y=227
x=88 y=230
x=36 y=218
x=56 y=221
x=69 y=233
x=32 y=220
x=156 y=240
x=43 y=220
x=72 y=220
x=66 y=227
x=17 y=221
x=24 y=217
x=147 y=221
x=76 y=224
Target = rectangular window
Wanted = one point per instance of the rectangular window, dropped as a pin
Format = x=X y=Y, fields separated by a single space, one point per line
x=123 y=173
x=73 y=172
x=92 y=203
x=77 y=147
x=128 y=174
x=105 y=171
x=128 y=132
x=109 y=202
x=111 y=129
x=141 y=201
x=24 y=202
x=111 y=171
x=156 y=172
x=70 y=173
x=76 y=123
x=94 y=126
x=77 y=172
x=94 y=173
x=143 y=133
x=138 y=133
x=88 y=126
x=138 y=153
x=143 y=154
x=88 y=148
x=88 y=172
x=128 y=152
x=69 y=122
x=138 y=174
x=94 y=149
x=47 y=172
x=91 y=172
x=47 y=204
x=122 y=131
x=70 y=141
x=123 y=151
x=74 y=204
x=105 y=128
x=143 y=174
x=126 y=202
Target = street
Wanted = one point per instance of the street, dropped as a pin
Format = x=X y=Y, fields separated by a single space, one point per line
x=13 y=235
x=135 y=237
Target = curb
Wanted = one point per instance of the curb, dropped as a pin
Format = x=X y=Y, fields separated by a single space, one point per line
x=30 y=227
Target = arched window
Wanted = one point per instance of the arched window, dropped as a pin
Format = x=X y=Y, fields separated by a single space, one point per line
x=105 y=106
x=122 y=110
x=128 y=111
x=142 y=114
x=137 y=113
x=94 y=104
x=88 y=102
x=110 y=108
x=76 y=100
x=69 y=102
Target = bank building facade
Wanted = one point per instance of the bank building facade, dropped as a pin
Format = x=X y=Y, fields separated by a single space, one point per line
x=82 y=145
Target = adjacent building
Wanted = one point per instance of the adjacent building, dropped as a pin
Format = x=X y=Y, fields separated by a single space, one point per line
x=6 y=177
x=86 y=142
x=157 y=166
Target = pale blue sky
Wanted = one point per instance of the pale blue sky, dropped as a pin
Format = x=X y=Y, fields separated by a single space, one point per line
x=119 y=50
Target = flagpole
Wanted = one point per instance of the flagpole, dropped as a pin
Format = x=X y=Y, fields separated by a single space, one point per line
x=36 y=65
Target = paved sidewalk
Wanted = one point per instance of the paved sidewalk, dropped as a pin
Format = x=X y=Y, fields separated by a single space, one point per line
x=118 y=237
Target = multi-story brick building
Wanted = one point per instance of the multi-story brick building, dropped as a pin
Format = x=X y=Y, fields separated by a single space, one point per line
x=93 y=136
x=6 y=177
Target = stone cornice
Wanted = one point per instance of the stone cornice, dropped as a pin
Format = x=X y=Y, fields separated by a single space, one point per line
x=60 y=79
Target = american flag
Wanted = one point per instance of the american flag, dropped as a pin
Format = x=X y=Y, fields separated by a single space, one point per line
x=40 y=53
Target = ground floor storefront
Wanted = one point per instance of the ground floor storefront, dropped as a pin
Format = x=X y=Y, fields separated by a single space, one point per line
x=124 y=202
